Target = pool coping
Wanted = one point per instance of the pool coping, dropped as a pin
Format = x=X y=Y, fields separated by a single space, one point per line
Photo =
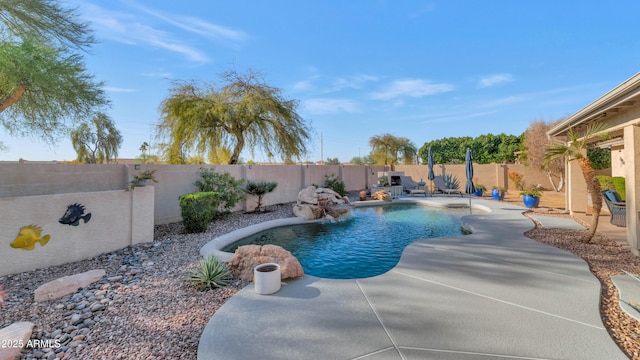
x=215 y=246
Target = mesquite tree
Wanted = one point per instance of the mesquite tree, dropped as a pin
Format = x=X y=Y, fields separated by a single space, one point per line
x=43 y=80
x=244 y=112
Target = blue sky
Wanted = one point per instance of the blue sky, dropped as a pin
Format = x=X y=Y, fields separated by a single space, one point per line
x=417 y=69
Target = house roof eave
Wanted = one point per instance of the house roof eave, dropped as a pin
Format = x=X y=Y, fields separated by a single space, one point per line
x=624 y=95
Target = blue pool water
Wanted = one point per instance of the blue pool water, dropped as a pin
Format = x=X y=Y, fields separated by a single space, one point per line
x=369 y=243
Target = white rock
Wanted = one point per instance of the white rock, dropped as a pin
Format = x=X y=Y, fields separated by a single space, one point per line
x=66 y=285
x=14 y=334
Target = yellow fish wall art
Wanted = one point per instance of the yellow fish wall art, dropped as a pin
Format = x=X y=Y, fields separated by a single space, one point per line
x=28 y=237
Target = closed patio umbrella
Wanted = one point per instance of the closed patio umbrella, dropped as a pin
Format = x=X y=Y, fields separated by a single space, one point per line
x=469 y=187
x=431 y=175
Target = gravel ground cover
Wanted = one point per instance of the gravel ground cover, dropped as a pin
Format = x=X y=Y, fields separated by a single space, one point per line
x=145 y=309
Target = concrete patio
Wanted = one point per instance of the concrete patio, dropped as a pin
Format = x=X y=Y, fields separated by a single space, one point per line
x=494 y=294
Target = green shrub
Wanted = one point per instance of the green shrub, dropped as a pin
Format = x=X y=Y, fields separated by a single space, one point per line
x=198 y=210
x=616 y=183
x=259 y=189
x=334 y=183
x=228 y=188
x=620 y=186
x=210 y=274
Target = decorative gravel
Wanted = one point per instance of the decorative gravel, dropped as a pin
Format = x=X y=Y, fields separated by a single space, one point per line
x=145 y=309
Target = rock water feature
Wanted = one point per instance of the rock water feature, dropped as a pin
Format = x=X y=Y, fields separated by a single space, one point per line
x=321 y=203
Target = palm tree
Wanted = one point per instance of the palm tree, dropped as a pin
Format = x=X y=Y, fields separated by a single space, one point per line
x=259 y=189
x=96 y=141
x=575 y=149
x=144 y=147
x=243 y=113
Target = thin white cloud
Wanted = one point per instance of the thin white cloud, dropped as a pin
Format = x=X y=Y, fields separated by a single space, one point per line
x=117 y=89
x=303 y=85
x=353 y=82
x=133 y=29
x=413 y=88
x=454 y=117
x=495 y=79
x=162 y=75
x=320 y=106
x=195 y=25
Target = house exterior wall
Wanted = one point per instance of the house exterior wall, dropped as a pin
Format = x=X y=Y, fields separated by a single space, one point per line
x=632 y=184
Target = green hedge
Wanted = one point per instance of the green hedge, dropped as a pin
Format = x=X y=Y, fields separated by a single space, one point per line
x=198 y=210
x=616 y=182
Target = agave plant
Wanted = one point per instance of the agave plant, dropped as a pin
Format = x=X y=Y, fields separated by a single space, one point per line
x=210 y=274
x=451 y=181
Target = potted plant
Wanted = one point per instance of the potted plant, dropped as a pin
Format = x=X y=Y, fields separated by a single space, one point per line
x=479 y=190
x=142 y=179
x=531 y=197
x=497 y=193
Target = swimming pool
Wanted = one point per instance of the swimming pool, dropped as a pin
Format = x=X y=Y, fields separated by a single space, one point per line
x=367 y=244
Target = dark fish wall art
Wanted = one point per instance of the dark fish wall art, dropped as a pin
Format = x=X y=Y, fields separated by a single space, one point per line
x=74 y=213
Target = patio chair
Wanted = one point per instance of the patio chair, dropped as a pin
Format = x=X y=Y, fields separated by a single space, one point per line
x=441 y=187
x=411 y=187
x=617 y=207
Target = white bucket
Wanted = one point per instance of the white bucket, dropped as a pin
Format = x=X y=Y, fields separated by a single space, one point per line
x=267 y=278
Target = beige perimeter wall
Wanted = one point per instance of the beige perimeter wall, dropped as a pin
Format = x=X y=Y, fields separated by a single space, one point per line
x=118 y=219
x=174 y=180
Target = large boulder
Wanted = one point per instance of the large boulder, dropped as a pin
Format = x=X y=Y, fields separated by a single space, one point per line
x=381 y=195
x=338 y=211
x=308 y=195
x=17 y=333
x=65 y=285
x=309 y=212
x=247 y=257
x=317 y=203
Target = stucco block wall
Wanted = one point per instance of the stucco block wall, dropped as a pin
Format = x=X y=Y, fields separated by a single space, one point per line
x=118 y=219
x=42 y=179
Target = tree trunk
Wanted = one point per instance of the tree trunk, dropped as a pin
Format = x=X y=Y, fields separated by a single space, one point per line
x=556 y=188
x=553 y=184
x=593 y=186
x=11 y=99
x=235 y=157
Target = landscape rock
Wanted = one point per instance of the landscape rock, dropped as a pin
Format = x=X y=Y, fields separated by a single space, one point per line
x=16 y=333
x=60 y=287
x=309 y=212
x=381 y=195
x=338 y=211
x=308 y=195
x=317 y=203
x=247 y=257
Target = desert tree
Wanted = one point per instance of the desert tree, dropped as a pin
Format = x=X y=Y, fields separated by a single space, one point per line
x=392 y=149
x=143 y=150
x=575 y=149
x=43 y=79
x=244 y=112
x=96 y=141
x=535 y=142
